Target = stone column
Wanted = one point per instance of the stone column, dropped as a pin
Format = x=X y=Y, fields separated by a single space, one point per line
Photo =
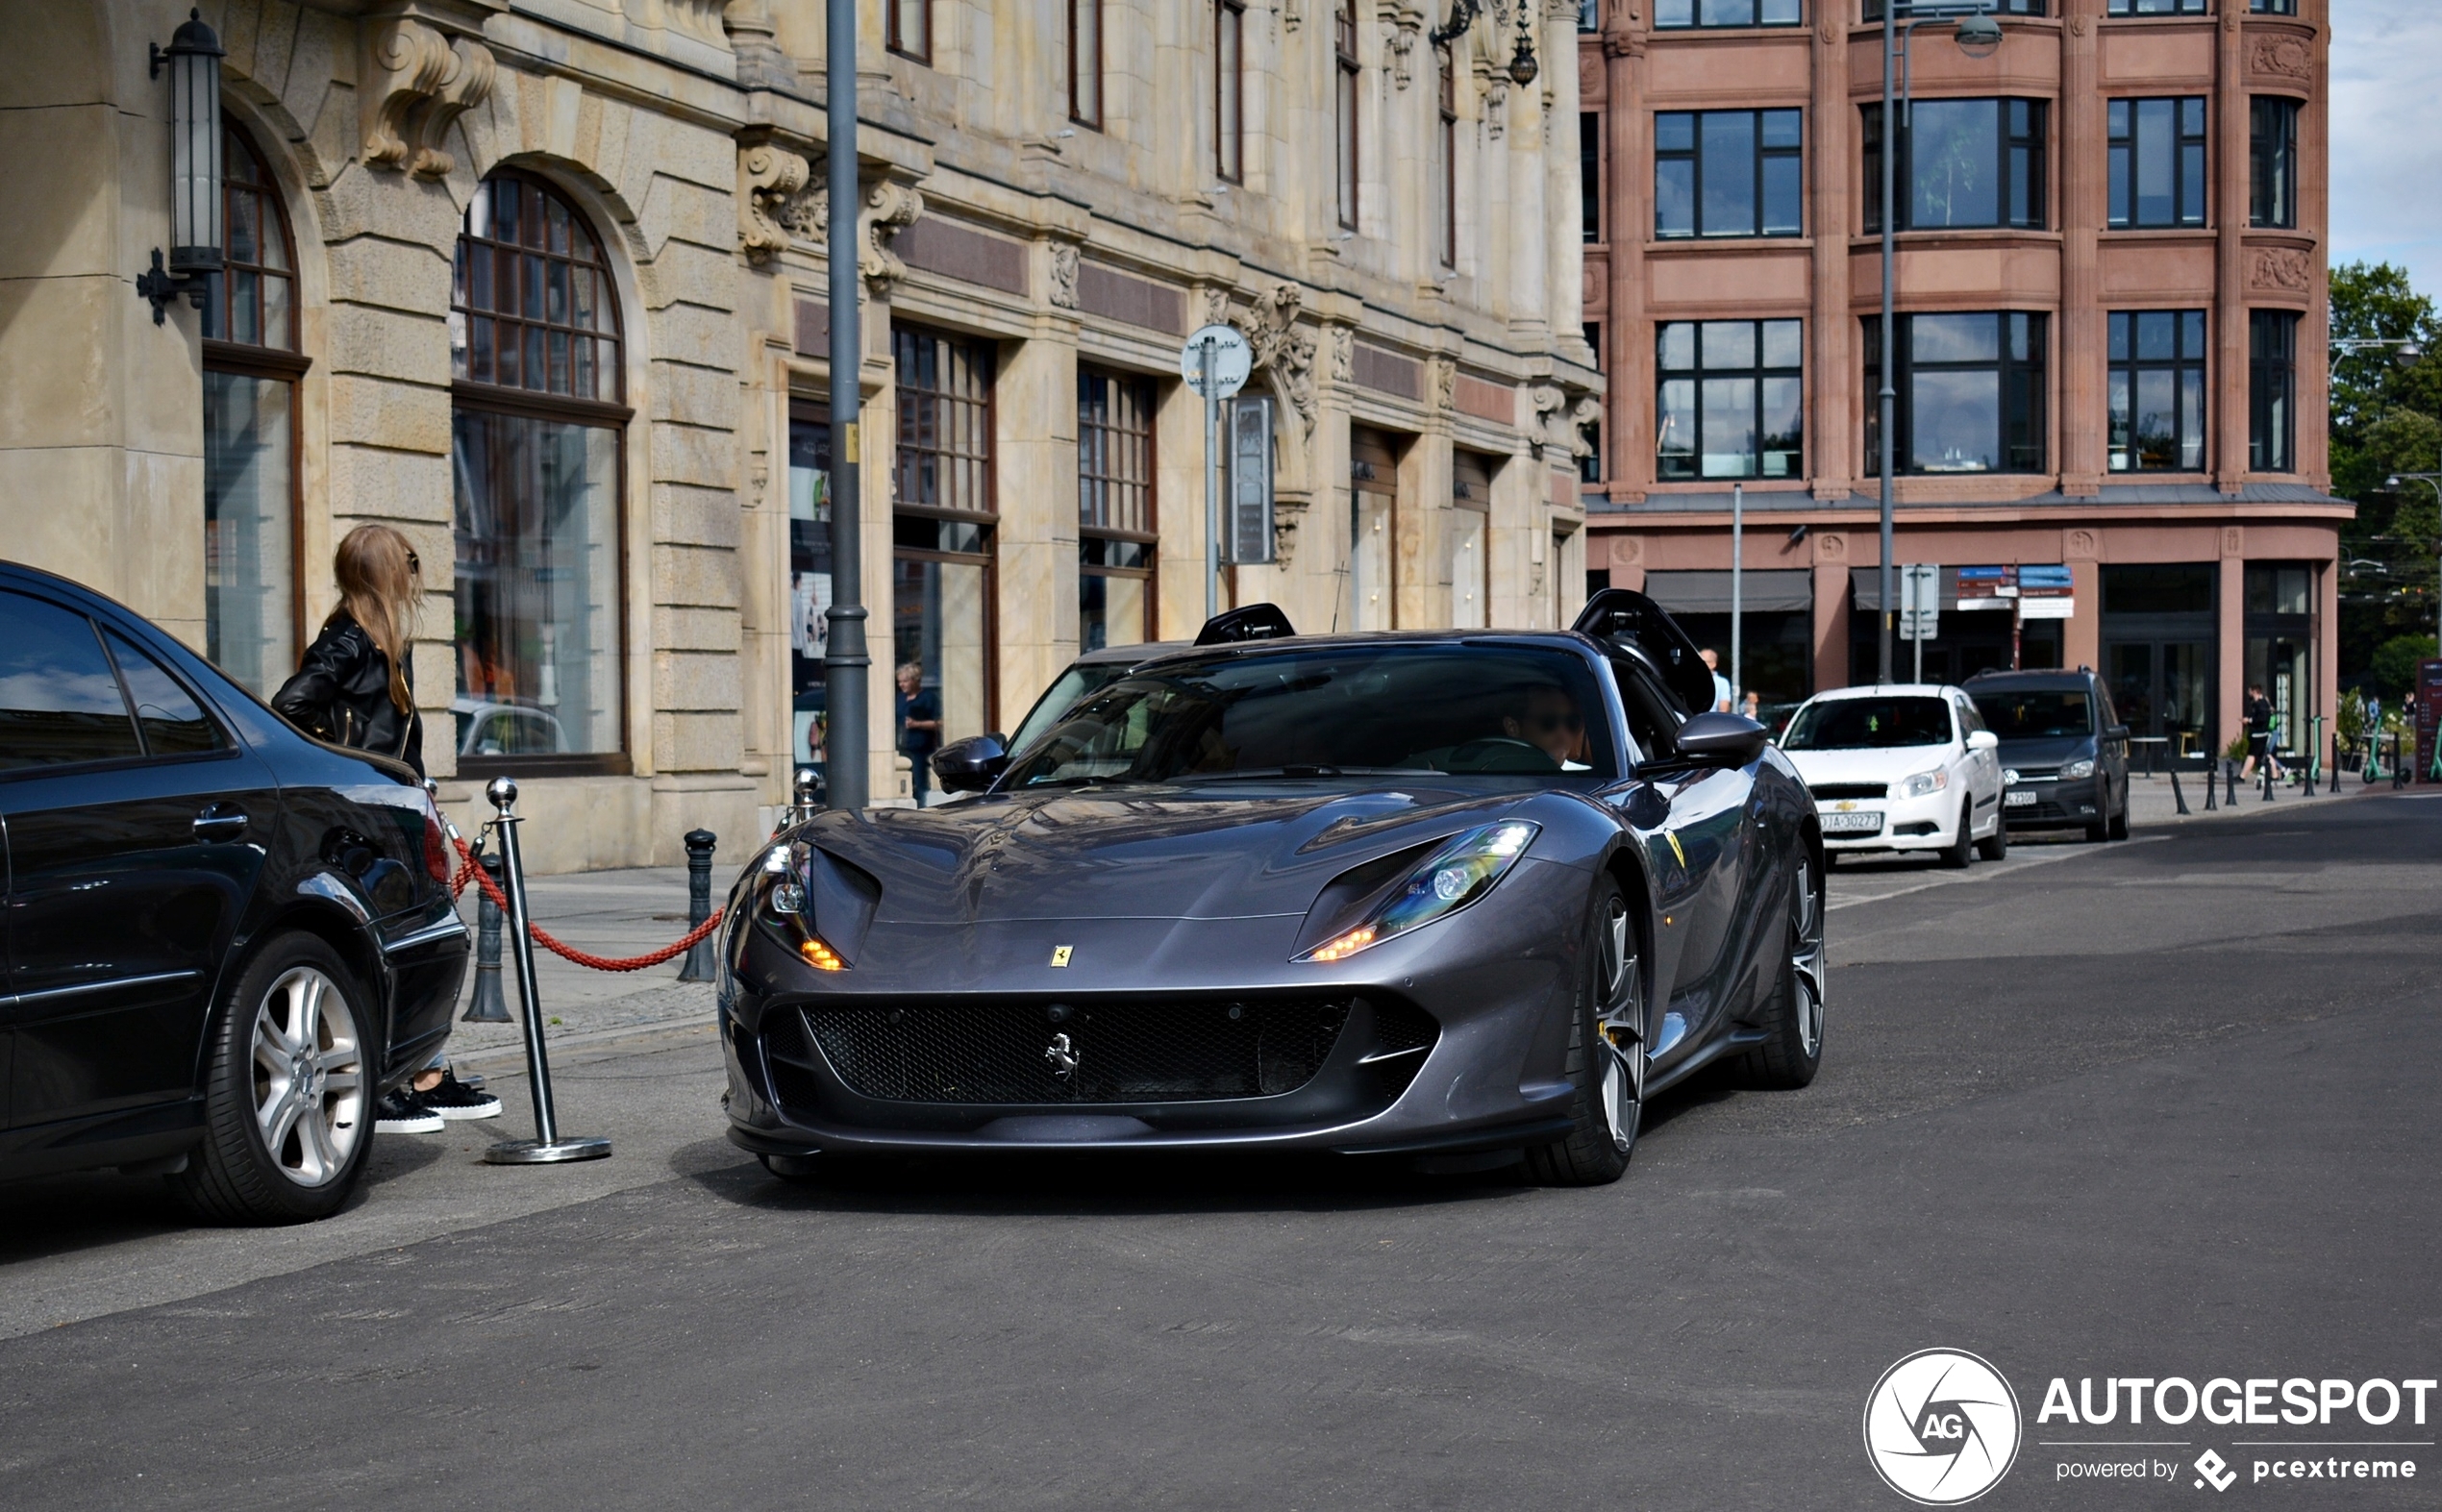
x=2227 y=128
x=1035 y=444
x=1831 y=612
x=2081 y=634
x=1629 y=404
x=1832 y=418
x=2229 y=635
x=2082 y=422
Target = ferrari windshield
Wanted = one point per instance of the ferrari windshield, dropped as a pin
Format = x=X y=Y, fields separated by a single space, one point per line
x=1869 y=724
x=1345 y=710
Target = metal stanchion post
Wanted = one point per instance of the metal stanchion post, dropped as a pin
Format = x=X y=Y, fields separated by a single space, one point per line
x=548 y=1146
x=2229 y=782
x=2211 y=782
x=2177 y=796
x=488 y=1005
x=698 y=965
x=2268 y=772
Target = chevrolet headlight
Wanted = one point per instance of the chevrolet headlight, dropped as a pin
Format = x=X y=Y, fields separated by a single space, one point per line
x=1924 y=783
x=2076 y=770
x=1452 y=877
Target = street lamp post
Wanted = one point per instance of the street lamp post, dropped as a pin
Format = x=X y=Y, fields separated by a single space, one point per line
x=1978 y=35
x=847 y=760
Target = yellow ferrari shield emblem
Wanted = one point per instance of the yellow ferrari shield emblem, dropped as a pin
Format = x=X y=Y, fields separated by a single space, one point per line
x=1060 y=955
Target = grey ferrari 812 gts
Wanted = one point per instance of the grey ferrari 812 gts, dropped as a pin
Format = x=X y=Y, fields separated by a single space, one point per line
x=1472 y=895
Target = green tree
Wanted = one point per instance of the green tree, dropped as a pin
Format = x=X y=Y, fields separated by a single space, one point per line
x=2395 y=664
x=2387 y=419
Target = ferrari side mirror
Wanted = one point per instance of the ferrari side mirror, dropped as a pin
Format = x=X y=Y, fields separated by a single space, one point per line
x=969 y=766
x=1718 y=739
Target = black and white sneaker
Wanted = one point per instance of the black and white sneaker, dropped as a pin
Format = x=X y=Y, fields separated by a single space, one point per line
x=454 y=1099
x=402 y=1111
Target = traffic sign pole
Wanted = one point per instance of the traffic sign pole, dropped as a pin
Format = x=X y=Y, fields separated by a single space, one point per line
x=1212 y=486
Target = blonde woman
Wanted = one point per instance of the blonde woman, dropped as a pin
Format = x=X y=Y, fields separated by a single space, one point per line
x=358 y=688
x=357 y=685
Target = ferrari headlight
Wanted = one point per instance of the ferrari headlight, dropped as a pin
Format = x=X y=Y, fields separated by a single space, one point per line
x=1924 y=783
x=786 y=914
x=2077 y=770
x=1452 y=877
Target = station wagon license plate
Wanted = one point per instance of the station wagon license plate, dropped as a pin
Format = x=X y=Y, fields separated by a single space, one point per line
x=1851 y=824
x=2022 y=798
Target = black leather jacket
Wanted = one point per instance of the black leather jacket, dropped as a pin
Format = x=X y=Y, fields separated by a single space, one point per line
x=342 y=695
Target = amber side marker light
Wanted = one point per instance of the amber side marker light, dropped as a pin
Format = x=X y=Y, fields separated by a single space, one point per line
x=820 y=957
x=1348 y=944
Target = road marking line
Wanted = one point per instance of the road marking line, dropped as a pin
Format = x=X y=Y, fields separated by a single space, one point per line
x=2033 y=861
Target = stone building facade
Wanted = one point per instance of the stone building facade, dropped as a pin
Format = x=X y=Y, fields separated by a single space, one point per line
x=542 y=284
x=2111 y=303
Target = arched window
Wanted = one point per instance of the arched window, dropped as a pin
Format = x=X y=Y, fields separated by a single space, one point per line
x=537 y=422
x=251 y=366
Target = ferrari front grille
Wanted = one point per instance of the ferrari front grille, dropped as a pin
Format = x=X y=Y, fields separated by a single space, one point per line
x=1044 y=1051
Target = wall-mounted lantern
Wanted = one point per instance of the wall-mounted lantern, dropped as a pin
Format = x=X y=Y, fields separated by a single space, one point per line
x=1523 y=68
x=195 y=233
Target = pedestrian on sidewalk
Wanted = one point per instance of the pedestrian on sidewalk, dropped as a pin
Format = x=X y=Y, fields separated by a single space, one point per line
x=1722 y=690
x=919 y=727
x=2259 y=732
x=357 y=688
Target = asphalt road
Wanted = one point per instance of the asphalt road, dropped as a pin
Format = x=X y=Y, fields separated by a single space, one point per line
x=2152 y=1109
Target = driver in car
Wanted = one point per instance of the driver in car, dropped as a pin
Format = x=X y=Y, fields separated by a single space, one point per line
x=1547 y=718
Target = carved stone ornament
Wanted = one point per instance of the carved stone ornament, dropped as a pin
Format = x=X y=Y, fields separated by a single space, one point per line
x=1583 y=415
x=768 y=176
x=1343 y=355
x=1626 y=551
x=2284 y=268
x=1829 y=34
x=807 y=214
x=1292 y=13
x=1287 y=512
x=1832 y=548
x=763 y=63
x=1445 y=380
x=891 y=209
x=1405 y=21
x=1284 y=348
x=2078 y=25
x=2233 y=541
x=2077 y=545
x=1496 y=105
x=423 y=79
x=1064 y=273
x=2288 y=57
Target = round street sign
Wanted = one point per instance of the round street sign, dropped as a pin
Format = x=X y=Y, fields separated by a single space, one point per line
x=1232 y=361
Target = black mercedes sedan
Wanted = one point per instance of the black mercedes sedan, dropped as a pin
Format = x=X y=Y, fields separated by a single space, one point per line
x=1472 y=895
x=223 y=940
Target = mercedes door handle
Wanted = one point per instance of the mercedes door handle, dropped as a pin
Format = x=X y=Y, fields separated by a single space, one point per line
x=220 y=823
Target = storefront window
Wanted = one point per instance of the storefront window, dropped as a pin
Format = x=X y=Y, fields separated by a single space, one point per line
x=536 y=465
x=251 y=367
x=808 y=584
x=941 y=534
x=1114 y=508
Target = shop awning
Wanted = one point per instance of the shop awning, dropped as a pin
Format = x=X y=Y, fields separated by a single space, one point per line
x=1771 y=590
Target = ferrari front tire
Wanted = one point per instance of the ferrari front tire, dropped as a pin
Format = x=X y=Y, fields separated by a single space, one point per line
x=1605 y=1064
x=1792 y=1019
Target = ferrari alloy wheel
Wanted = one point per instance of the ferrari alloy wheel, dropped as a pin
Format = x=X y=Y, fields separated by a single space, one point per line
x=1792 y=1020
x=288 y=1105
x=1605 y=1056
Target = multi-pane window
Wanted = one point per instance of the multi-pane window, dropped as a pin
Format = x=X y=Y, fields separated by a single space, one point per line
x=1114 y=508
x=2272 y=6
x=1970 y=392
x=1961 y=164
x=2157 y=391
x=1874 y=8
x=1727 y=173
x=1676 y=13
x=1446 y=171
x=2272 y=162
x=911 y=31
x=250 y=371
x=1728 y=399
x=1590 y=173
x=941 y=540
x=1590 y=467
x=1589 y=15
x=537 y=444
x=1085 y=63
x=1229 y=91
x=2156 y=7
x=2271 y=387
x=810 y=582
x=1344 y=112
x=2158 y=161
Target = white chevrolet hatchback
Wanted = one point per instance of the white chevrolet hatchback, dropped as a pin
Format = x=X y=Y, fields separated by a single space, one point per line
x=1900 y=767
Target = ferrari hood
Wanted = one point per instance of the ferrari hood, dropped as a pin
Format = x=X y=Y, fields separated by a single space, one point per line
x=1231 y=853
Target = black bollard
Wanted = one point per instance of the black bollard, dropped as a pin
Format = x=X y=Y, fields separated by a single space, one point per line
x=698 y=965
x=2268 y=774
x=2211 y=782
x=2177 y=796
x=490 y=1007
x=548 y=1146
x=2229 y=782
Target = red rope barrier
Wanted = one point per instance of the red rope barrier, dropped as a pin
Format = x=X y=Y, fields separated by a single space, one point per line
x=472 y=869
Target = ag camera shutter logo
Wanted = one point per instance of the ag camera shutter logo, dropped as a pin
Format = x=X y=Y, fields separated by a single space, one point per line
x=1941 y=1427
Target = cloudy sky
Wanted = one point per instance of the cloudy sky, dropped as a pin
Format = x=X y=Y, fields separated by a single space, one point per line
x=2386 y=136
